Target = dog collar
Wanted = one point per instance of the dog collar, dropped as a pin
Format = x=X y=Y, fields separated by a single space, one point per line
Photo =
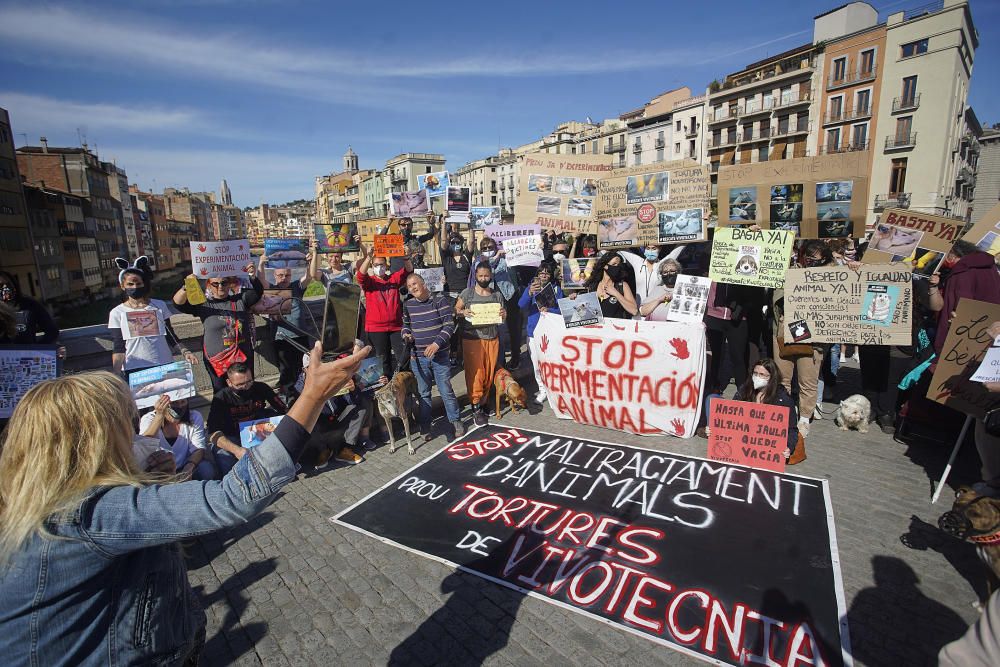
x=985 y=540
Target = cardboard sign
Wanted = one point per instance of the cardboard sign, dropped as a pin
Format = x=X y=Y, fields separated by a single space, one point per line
x=409 y=204
x=524 y=250
x=748 y=434
x=964 y=349
x=833 y=304
x=501 y=233
x=574 y=272
x=21 y=368
x=436 y=183
x=918 y=238
x=628 y=375
x=481 y=216
x=690 y=299
x=986 y=232
x=389 y=245
x=176 y=380
x=256 y=431
x=434 y=278
x=652 y=204
x=286 y=253
x=484 y=314
x=558 y=191
x=581 y=310
x=336 y=238
x=688 y=553
x=989 y=369
x=744 y=257
x=213 y=259
x=812 y=197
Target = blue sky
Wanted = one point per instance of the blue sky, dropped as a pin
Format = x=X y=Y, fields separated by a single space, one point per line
x=269 y=93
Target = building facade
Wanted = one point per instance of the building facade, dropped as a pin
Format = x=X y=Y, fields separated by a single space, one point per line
x=481 y=177
x=16 y=255
x=987 y=176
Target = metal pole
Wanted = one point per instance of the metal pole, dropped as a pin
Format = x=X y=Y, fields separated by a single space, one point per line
x=951 y=459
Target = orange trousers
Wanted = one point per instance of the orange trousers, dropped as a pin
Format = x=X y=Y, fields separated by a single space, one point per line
x=480 y=360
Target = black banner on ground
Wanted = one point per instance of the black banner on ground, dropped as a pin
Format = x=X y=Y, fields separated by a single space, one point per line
x=726 y=563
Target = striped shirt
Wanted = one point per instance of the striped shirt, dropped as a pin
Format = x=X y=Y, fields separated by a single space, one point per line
x=430 y=321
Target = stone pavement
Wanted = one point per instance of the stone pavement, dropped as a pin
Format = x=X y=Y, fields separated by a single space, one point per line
x=291 y=588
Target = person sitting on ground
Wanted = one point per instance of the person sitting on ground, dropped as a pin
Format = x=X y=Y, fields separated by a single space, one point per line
x=182 y=431
x=242 y=400
x=657 y=303
x=480 y=343
x=91 y=566
x=428 y=325
x=611 y=279
x=544 y=276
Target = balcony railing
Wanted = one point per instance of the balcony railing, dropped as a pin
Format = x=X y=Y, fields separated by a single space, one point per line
x=791 y=99
x=892 y=200
x=966 y=176
x=691 y=132
x=828 y=149
x=398 y=176
x=845 y=115
x=722 y=141
x=637 y=147
x=850 y=78
x=660 y=142
x=901 y=141
x=791 y=129
x=724 y=115
x=908 y=103
x=615 y=148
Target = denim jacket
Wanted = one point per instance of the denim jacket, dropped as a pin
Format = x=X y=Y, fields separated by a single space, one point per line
x=111 y=587
x=504 y=277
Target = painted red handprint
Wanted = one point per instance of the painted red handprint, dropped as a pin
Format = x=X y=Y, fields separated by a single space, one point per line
x=678 y=425
x=545 y=343
x=680 y=348
x=202 y=248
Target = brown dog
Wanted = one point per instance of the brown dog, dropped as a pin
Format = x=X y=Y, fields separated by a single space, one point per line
x=976 y=519
x=504 y=384
x=398 y=399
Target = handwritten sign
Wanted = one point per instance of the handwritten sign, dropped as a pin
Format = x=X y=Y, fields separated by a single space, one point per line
x=501 y=233
x=433 y=277
x=688 y=553
x=989 y=369
x=524 y=250
x=748 y=434
x=833 y=304
x=212 y=259
x=921 y=239
x=744 y=257
x=175 y=379
x=628 y=375
x=558 y=191
x=963 y=352
x=21 y=368
x=389 y=245
x=484 y=314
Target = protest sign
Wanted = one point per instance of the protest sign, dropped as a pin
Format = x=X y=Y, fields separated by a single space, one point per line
x=256 y=431
x=629 y=375
x=690 y=299
x=369 y=375
x=409 y=204
x=389 y=245
x=336 y=238
x=298 y=272
x=21 y=368
x=175 y=379
x=192 y=288
x=286 y=253
x=744 y=257
x=436 y=183
x=484 y=314
x=524 y=250
x=212 y=259
x=834 y=304
x=367 y=229
x=581 y=310
x=434 y=278
x=652 y=204
x=481 y=216
x=919 y=238
x=546 y=297
x=691 y=554
x=989 y=368
x=574 y=272
x=143 y=324
x=963 y=352
x=748 y=434
x=813 y=197
x=500 y=233
x=985 y=234
x=558 y=191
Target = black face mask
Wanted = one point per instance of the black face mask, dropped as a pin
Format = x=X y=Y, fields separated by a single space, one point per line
x=136 y=292
x=614 y=272
x=483 y=283
x=812 y=263
x=183 y=413
x=669 y=279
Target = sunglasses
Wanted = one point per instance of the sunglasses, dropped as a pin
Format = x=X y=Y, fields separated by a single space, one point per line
x=217 y=284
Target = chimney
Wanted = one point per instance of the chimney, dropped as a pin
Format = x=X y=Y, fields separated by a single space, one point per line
x=45 y=144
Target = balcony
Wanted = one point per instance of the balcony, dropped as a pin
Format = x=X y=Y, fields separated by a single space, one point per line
x=691 y=132
x=900 y=141
x=846 y=115
x=827 y=149
x=754 y=109
x=615 y=148
x=791 y=99
x=398 y=177
x=799 y=128
x=719 y=142
x=660 y=142
x=787 y=68
x=724 y=115
x=637 y=147
x=908 y=103
x=850 y=78
x=892 y=200
x=966 y=176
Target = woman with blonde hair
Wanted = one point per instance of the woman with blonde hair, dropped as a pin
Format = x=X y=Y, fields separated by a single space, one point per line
x=90 y=563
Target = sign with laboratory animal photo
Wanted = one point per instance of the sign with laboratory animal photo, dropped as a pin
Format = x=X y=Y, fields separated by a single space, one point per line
x=558 y=191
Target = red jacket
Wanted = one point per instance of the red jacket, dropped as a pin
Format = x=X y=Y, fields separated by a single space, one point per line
x=383 y=308
x=974 y=276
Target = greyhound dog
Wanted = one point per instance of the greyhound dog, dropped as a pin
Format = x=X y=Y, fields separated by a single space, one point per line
x=398 y=398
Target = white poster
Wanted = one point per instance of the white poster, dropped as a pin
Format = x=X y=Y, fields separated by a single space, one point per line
x=211 y=259
x=690 y=299
x=524 y=250
x=176 y=380
x=989 y=370
x=434 y=278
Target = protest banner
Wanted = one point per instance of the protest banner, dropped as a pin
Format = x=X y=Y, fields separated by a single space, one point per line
x=834 y=304
x=175 y=379
x=336 y=238
x=433 y=277
x=812 y=197
x=524 y=250
x=213 y=259
x=628 y=375
x=963 y=352
x=723 y=563
x=21 y=368
x=558 y=191
x=744 y=257
x=989 y=367
x=748 y=434
x=481 y=216
x=581 y=310
x=286 y=253
x=500 y=233
x=389 y=245
x=409 y=204
x=436 y=183
x=256 y=431
x=690 y=299
x=919 y=238
x=574 y=272
x=652 y=204
x=484 y=314
x=985 y=234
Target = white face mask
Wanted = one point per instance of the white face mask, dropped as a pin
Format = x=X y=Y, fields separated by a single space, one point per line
x=379 y=270
x=760 y=382
x=488 y=254
x=559 y=257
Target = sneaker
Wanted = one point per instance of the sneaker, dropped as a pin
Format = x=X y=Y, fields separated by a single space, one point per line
x=367 y=445
x=887 y=423
x=541 y=396
x=323 y=458
x=459 y=429
x=347 y=455
x=816 y=413
x=480 y=418
x=804 y=427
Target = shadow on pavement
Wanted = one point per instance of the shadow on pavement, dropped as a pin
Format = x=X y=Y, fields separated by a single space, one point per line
x=923 y=536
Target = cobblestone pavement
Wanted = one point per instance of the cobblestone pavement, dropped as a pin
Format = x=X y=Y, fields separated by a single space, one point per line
x=291 y=588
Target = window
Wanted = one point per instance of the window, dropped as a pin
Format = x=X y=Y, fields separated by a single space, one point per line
x=833 y=140
x=747 y=132
x=783 y=125
x=909 y=90
x=677 y=147
x=786 y=94
x=836 y=107
x=862 y=101
x=839 y=69
x=637 y=160
x=428 y=170
x=913 y=48
x=731 y=138
x=678 y=125
x=593 y=146
x=868 y=61
x=583 y=149
x=493 y=200
x=903 y=127
x=691 y=148
x=659 y=155
x=897 y=177
x=762 y=153
x=717 y=138
x=859 y=138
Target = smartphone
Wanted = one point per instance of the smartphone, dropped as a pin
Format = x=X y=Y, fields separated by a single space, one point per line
x=171 y=413
x=340 y=319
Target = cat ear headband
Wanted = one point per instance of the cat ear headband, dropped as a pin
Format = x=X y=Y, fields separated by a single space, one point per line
x=140 y=266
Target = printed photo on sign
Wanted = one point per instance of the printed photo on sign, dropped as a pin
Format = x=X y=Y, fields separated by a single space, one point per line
x=369 y=375
x=283 y=253
x=458 y=199
x=574 y=272
x=409 y=204
x=618 y=232
x=786 y=194
x=896 y=241
x=589 y=187
x=792 y=227
x=585 y=309
x=142 y=323
x=436 y=184
x=549 y=205
x=539 y=183
x=337 y=238
x=566 y=185
x=480 y=216
x=833 y=211
x=274 y=302
x=800 y=331
x=690 y=298
x=923 y=261
x=785 y=214
x=579 y=206
x=742 y=204
x=252 y=433
x=643 y=188
x=21 y=368
x=748 y=260
x=834 y=191
x=176 y=380
x=546 y=297
x=678 y=226
x=879 y=304
x=834 y=229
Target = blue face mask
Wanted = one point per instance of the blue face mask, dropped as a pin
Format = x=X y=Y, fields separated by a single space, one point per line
x=651 y=255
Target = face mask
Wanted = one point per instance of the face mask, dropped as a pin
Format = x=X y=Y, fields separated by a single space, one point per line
x=669 y=279
x=484 y=283
x=558 y=256
x=380 y=270
x=614 y=272
x=6 y=293
x=759 y=382
x=488 y=254
x=947 y=263
x=136 y=292
x=651 y=255
x=813 y=262
x=182 y=414
x=456 y=249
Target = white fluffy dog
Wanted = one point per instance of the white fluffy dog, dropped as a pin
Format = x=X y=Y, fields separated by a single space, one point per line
x=854 y=412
